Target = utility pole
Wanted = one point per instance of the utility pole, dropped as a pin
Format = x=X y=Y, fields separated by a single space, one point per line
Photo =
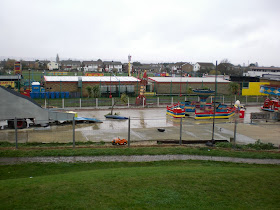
x=213 y=130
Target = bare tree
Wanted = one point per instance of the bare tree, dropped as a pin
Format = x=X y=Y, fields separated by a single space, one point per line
x=225 y=60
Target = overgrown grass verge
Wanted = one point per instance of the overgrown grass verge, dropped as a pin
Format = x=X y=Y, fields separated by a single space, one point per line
x=154 y=185
x=124 y=150
x=258 y=145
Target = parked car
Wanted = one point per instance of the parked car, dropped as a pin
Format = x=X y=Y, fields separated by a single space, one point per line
x=118 y=141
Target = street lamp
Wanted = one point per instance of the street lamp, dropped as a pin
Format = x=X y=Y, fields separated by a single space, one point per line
x=110 y=96
x=29 y=78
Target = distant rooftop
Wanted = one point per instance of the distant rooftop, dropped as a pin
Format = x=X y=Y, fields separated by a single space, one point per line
x=90 y=79
x=188 y=79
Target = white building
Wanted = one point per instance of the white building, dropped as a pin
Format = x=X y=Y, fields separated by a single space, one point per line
x=52 y=66
x=203 y=66
x=110 y=65
x=95 y=66
x=259 y=71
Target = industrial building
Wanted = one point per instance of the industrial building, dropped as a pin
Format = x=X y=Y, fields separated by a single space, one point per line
x=180 y=85
x=77 y=85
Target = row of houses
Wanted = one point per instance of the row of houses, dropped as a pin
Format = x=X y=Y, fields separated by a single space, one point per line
x=179 y=68
x=108 y=66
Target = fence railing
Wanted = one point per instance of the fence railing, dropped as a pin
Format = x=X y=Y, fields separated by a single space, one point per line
x=151 y=101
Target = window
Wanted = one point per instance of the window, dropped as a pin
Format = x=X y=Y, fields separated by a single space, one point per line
x=245 y=84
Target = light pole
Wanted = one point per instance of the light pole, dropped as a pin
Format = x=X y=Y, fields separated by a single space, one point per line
x=110 y=96
x=29 y=78
x=48 y=95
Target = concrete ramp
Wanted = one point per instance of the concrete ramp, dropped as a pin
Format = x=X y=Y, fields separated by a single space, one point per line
x=14 y=104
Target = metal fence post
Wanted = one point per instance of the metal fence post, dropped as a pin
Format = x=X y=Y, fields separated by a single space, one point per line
x=211 y=99
x=74 y=132
x=45 y=103
x=234 y=138
x=180 y=142
x=112 y=101
x=128 y=132
x=158 y=101
x=62 y=103
x=246 y=99
x=171 y=100
x=80 y=103
x=16 y=136
x=96 y=103
x=127 y=101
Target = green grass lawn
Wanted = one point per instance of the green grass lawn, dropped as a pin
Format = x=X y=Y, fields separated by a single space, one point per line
x=155 y=185
x=124 y=150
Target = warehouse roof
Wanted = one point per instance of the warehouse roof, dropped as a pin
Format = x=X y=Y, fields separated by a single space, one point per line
x=10 y=77
x=90 y=79
x=187 y=79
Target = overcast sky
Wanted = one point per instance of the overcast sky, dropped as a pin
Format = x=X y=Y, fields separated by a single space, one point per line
x=150 y=30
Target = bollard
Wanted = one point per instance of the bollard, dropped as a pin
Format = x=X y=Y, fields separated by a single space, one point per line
x=74 y=132
x=128 y=139
x=234 y=137
x=180 y=142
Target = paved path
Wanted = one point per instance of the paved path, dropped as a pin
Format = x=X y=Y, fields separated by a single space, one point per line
x=133 y=158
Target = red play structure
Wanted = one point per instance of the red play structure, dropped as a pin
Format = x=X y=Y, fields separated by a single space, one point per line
x=141 y=99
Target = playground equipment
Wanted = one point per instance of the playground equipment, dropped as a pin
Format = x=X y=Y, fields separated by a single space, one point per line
x=141 y=99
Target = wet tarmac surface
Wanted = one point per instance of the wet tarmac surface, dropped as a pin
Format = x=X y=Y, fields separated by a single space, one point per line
x=144 y=124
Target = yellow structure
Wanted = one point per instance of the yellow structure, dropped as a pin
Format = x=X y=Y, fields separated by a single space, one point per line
x=254 y=89
x=7 y=83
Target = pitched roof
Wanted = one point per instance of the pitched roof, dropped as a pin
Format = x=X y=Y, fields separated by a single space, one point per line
x=92 y=62
x=206 y=64
x=70 y=62
x=112 y=63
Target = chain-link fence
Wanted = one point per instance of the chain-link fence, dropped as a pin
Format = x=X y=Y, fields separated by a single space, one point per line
x=143 y=127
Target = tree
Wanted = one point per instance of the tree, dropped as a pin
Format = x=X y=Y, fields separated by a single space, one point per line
x=9 y=64
x=95 y=91
x=89 y=90
x=123 y=99
x=114 y=70
x=225 y=60
x=136 y=63
x=213 y=72
x=234 y=89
